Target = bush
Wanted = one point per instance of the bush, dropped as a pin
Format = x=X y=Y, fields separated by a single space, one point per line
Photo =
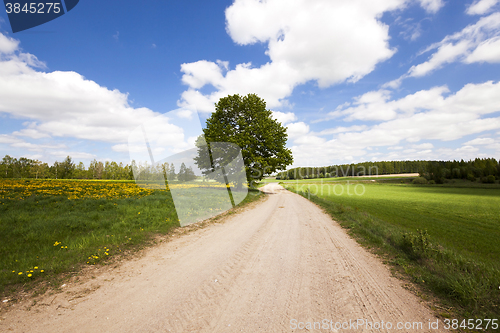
x=432 y=182
x=471 y=177
x=440 y=180
x=489 y=180
x=416 y=245
x=419 y=180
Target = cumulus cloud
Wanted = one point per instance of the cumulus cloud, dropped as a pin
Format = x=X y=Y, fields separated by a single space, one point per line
x=432 y=114
x=297 y=130
x=376 y=105
x=328 y=42
x=67 y=105
x=284 y=117
x=7 y=45
x=480 y=7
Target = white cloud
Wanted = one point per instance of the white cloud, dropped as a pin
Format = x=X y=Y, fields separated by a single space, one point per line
x=328 y=42
x=375 y=105
x=36 y=147
x=296 y=130
x=423 y=146
x=431 y=6
x=66 y=105
x=480 y=141
x=480 y=7
x=477 y=42
x=341 y=129
x=284 y=117
x=411 y=30
x=31 y=133
x=447 y=53
x=198 y=74
x=7 y=45
x=187 y=114
x=487 y=51
x=75 y=155
x=432 y=114
x=9 y=139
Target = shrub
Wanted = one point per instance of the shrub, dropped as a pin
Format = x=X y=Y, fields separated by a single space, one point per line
x=471 y=177
x=419 y=180
x=440 y=180
x=416 y=245
x=489 y=180
x=432 y=181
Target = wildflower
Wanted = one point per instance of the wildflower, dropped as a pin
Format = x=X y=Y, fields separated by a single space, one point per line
x=20 y=273
x=30 y=275
x=42 y=271
x=36 y=267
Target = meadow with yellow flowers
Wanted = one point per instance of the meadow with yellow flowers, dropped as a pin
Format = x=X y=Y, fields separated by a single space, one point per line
x=49 y=227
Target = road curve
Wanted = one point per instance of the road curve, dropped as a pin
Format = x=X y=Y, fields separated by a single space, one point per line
x=279 y=266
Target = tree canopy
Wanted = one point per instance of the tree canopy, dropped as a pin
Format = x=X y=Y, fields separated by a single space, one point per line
x=245 y=122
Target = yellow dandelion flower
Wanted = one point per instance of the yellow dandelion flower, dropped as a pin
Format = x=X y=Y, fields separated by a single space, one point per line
x=20 y=273
x=30 y=275
x=42 y=271
x=36 y=267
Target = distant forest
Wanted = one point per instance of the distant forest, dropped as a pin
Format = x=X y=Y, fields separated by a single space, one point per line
x=438 y=171
x=483 y=169
x=11 y=167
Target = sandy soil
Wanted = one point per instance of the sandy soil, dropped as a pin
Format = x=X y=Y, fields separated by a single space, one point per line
x=274 y=267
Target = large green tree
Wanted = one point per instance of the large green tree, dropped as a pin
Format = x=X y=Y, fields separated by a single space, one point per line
x=245 y=121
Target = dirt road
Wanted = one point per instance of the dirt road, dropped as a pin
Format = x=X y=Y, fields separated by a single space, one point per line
x=275 y=267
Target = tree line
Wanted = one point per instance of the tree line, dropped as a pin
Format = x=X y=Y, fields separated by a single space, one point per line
x=432 y=170
x=11 y=167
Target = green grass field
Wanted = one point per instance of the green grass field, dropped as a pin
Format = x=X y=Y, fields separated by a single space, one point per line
x=465 y=219
x=49 y=228
x=446 y=238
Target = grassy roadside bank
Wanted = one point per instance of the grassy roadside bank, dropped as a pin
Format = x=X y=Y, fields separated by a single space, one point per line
x=423 y=239
x=54 y=232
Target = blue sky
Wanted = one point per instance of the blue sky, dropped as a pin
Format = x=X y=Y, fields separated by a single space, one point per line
x=353 y=81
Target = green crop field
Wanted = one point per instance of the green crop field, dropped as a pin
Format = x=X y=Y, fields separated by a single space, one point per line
x=447 y=238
